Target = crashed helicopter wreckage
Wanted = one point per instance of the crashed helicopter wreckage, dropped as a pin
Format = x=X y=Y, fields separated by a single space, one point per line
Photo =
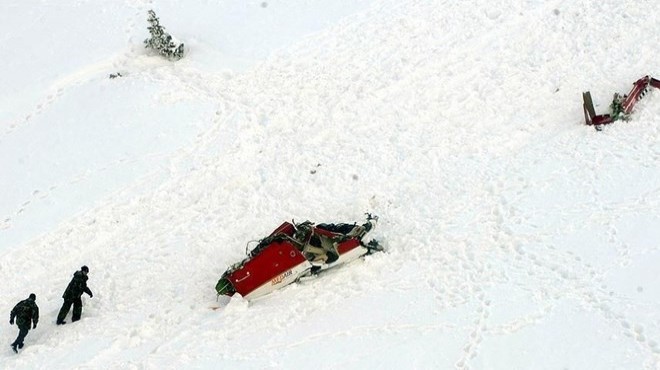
x=293 y=251
x=622 y=105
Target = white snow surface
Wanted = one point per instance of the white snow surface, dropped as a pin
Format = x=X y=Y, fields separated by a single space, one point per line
x=516 y=236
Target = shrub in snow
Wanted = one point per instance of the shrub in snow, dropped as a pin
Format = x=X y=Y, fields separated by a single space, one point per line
x=161 y=41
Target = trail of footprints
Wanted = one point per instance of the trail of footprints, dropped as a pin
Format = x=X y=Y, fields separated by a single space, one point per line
x=52 y=97
x=588 y=286
x=40 y=194
x=475 y=337
x=575 y=278
x=38 y=110
x=192 y=81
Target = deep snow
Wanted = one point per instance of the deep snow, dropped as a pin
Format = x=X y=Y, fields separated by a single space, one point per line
x=517 y=237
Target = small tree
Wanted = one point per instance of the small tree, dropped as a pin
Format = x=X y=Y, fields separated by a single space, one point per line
x=161 y=41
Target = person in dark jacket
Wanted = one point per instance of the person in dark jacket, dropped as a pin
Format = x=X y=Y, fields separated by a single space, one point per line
x=26 y=313
x=72 y=294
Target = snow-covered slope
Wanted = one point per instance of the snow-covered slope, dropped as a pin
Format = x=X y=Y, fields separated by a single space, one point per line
x=517 y=237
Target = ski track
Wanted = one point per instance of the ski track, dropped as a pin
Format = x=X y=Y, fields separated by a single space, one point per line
x=340 y=77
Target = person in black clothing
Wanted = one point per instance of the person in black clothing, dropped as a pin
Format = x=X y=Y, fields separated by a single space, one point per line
x=72 y=294
x=26 y=313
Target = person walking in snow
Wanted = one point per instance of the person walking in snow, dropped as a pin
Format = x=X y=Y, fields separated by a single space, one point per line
x=72 y=294
x=26 y=313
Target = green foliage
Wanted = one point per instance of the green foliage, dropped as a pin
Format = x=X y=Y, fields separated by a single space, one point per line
x=160 y=41
x=616 y=108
